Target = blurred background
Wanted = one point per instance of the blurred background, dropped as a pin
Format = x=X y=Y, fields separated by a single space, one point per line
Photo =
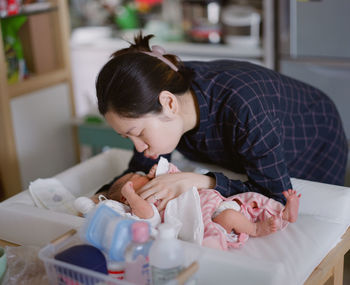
x=52 y=51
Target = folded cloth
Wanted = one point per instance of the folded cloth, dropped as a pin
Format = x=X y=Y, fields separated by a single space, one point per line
x=184 y=213
x=50 y=193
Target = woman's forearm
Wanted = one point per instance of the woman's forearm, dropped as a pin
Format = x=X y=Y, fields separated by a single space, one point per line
x=203 y=181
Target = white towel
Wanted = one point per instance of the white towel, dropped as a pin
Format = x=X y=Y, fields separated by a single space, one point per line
x=50 y=193
x=184 y=213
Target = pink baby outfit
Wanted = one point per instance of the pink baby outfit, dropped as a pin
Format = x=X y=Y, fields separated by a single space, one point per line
x=215 y=236
x=253 y=205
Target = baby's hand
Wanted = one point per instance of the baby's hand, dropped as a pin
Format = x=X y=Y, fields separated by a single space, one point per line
x=127 y=191
x=114 y=193
x=152 y=173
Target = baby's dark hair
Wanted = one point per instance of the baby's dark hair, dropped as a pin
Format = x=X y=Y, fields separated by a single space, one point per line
x=130 y=82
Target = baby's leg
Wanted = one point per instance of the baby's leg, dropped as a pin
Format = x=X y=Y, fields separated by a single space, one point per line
x=139 y=206
x=232 y=220
x=290 y=212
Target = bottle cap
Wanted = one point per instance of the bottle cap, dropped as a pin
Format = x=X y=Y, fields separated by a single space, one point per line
x=140 y=232
x=166 y=231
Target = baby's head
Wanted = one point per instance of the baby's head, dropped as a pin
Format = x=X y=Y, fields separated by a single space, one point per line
x=138 y=180
x=84 y=204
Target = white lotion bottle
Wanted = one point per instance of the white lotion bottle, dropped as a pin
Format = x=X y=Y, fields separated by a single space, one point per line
x=166 y=256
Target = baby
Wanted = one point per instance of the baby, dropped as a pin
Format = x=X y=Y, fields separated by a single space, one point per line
x=125 y=201
x=228 y=222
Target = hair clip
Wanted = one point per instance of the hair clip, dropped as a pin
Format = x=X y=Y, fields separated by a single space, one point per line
x=158 y=49
x=158 y=52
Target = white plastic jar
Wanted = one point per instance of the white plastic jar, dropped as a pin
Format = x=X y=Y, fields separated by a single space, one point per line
x=166 y=256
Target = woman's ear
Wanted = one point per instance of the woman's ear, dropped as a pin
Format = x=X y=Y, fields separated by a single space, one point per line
x=169 y=103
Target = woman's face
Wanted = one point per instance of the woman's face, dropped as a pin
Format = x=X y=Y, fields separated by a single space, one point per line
x=153 y=135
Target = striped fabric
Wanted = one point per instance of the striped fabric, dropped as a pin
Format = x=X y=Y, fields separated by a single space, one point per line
x=256 y=121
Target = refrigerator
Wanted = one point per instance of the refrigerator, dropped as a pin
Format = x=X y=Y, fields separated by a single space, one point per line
x=313 y=45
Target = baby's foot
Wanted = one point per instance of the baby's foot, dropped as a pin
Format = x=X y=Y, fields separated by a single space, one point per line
x=290 y=212
x=266 y=227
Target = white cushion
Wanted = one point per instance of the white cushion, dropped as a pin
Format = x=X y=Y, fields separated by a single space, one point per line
x=326 y=201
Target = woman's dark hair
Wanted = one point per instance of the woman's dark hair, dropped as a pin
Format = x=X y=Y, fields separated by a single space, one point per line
x=131 y=81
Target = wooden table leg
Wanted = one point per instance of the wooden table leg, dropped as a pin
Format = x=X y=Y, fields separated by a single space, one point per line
x=339 y=272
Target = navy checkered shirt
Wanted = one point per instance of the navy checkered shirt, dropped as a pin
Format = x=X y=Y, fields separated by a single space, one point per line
x=256 y=121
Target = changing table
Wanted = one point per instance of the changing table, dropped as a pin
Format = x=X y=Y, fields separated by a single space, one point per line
x=306 y=252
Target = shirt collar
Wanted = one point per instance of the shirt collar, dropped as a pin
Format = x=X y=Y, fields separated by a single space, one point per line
x=203 y=110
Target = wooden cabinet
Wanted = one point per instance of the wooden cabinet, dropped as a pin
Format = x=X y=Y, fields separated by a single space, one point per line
x=29 y=95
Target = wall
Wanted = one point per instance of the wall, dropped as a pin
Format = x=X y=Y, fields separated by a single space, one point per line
x=43 y=133
x=333 y=78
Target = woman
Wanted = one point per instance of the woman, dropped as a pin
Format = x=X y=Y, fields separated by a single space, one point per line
x=237 y=115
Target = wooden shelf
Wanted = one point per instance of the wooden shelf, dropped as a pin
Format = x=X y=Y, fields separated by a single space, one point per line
x=31 y=12
x=12 y=153
x=37 y=82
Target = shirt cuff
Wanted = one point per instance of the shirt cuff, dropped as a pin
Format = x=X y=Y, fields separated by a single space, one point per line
x=221 y=183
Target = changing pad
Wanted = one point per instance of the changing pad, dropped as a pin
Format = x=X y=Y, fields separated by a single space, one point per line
x=286 y=257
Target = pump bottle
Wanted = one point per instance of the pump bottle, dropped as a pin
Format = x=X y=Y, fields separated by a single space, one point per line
x=166 y=256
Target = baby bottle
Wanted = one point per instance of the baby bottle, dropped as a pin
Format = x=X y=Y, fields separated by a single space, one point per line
x=136 y=254
x=166 y=256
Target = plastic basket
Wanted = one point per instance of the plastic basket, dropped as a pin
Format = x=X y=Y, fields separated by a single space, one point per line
x=62 y=273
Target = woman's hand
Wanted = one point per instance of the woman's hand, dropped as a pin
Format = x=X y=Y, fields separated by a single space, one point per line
x=169 y=186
